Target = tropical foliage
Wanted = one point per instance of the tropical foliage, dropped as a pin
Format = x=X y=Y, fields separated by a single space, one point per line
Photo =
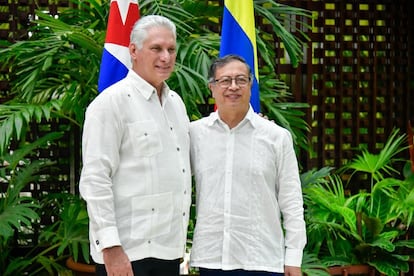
x=19 y=212
x=55 y=72
x=368 y=227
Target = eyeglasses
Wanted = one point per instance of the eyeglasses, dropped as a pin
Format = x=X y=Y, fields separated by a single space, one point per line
x=225 y=82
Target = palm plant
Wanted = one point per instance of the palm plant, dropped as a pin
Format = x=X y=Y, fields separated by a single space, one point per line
x=19 y=213
x=368 y=227
x=67 y=237
x=54 y=73
x=377 y=166
x=16 y=212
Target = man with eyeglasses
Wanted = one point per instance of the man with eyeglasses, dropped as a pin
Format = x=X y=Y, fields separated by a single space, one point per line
x=249 y=198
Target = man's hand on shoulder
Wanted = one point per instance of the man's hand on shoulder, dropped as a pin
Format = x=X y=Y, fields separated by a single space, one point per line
x=265 y=116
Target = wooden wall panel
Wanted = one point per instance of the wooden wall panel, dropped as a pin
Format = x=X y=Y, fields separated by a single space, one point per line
x=360 y=62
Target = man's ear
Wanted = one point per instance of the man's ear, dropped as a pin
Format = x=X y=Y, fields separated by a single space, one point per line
x=210 y=87
x=132 y=47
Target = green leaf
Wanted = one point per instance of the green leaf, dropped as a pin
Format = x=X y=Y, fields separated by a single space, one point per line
x=385 y=240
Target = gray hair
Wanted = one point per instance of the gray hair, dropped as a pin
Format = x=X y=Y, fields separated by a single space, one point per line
x=140 y=30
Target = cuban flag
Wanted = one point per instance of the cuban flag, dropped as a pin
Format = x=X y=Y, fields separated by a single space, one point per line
x=238 y=36
x=116 y=60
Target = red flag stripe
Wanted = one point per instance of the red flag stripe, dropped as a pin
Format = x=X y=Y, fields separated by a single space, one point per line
x=118 y=32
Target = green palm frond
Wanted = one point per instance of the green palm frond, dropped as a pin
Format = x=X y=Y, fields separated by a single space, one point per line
x=69 y=236
x=329 y=197
x=384 y=195
x=15 y=119
x=311 y=265
x=315 y=176
x=285 y=21
x=172 y=9
x=403 y=204
x=60 y=61
x=276 y=101
x=17 y=211
x=378 y=166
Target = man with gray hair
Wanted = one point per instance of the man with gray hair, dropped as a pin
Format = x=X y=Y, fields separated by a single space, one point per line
x=136 y=175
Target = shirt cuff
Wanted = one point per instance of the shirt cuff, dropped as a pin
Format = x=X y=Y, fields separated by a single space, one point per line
x=107 y=237
x=293 y=257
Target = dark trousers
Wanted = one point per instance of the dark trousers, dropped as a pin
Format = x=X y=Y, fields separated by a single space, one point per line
x=237 y=272
x=149 y=267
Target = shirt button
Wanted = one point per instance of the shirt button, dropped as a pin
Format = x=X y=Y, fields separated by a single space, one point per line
x=183 y=170
x=185 y=192
x=183 y=214
x=178 y=149
x=149 y=241
x=153 y=209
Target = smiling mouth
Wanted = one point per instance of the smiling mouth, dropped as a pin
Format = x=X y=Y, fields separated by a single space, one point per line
x=163 y=67
x=233 y=96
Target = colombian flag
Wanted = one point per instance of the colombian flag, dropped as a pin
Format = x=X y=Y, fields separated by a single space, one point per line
x=115 y=57
x=238 y=36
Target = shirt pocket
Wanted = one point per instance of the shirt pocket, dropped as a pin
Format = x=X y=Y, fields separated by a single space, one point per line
x=151 y=215
x=145 y=138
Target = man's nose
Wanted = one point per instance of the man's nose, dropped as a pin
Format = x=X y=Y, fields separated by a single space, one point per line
x=165 y=55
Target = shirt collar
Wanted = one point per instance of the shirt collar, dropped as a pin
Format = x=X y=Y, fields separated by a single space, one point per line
x=250 y=117
x=146 y=89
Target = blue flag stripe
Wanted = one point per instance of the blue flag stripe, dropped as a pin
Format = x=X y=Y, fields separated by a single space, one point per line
x=112 y=70
x=235 y=41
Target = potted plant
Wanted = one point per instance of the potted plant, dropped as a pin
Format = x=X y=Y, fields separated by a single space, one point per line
x=368 y=227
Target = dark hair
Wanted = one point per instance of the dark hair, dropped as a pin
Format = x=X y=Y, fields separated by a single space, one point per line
x=220 y=62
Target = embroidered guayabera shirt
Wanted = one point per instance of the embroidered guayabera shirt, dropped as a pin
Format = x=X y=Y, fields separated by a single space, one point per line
x=248 y=186
x=136 y=175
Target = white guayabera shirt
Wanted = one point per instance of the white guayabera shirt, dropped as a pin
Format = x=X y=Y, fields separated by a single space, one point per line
x=136 y=175
x=248 y=185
